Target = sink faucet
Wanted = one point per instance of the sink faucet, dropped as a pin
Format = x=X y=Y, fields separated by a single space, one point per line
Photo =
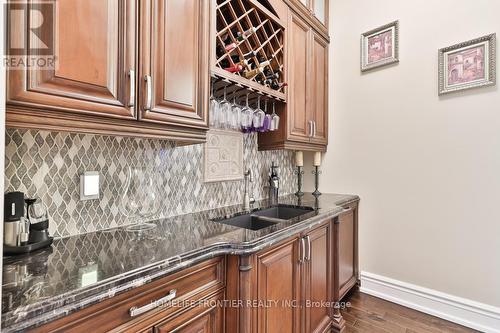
x=247 y=198
x=274 y=184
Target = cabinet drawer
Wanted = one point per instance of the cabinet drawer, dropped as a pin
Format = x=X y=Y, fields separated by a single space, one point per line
x=200 y=319
x=114 y=314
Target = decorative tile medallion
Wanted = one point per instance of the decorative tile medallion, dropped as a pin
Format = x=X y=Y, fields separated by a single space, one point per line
x=223 y=156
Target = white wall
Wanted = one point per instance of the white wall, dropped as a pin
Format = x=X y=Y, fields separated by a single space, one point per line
x=427 y=168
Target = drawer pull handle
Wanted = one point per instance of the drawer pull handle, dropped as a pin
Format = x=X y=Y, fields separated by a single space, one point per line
x=135 y=311
x=302 y=250
x=308 y=242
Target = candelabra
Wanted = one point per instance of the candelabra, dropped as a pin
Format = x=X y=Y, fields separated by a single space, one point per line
x=300 y=173
x=316 y=172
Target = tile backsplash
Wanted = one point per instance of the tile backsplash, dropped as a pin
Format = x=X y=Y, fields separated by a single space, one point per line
x=48 y=165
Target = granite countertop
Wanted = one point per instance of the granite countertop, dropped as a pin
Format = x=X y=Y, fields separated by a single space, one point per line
x=83 y=270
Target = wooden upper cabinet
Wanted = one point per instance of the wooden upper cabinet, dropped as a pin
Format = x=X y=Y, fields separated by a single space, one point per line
x=95 y=86
x=320 y=10
x=175 y=62
x=94 y=42
x=319 y=91
x=299 y=80
x=306 y=111
x=316 y=10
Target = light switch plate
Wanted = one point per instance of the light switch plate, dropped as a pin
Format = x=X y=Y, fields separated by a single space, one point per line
x=89 y=185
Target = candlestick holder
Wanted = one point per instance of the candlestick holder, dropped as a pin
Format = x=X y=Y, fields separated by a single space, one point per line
x=300 y=173
x=316 y=172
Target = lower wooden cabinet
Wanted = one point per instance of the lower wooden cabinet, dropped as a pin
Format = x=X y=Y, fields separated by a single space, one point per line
x=203 y=283
x=291 y=285
x=279 y=286
x=346 y=256
x=318 y=276
x=202 y=319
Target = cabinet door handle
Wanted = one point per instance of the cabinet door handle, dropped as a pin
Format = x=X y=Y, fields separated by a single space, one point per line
x=131 y=95
x=310 y=128
x=302 y=250
x=314 y=126
x=308 y=256
x=135 y=311
x=149 y=93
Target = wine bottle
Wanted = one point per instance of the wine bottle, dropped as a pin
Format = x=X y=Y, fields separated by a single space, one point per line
x=235 y=69
x=252 y=73
x=245 y=63
x=225 y=62
x=241 y=36
x=264 y=63
x=277 y=86
x=250 y=54
x=272 y=76
x=230 y=47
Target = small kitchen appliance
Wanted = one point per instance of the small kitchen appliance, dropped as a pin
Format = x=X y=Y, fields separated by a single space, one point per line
x=26 y=224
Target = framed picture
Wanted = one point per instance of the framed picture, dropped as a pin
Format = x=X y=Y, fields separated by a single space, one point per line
x=380 y=46
x=468 y=65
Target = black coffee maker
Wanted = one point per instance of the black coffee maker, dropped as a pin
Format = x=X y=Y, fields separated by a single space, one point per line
x=27 y=223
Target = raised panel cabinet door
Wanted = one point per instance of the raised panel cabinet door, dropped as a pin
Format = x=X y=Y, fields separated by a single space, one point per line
x=299 y=122
x=347 y=244
x=200 y=319
x=320 y=282
x=278 y=284
x=174 y=57
x=94 y=45
x=319 y=89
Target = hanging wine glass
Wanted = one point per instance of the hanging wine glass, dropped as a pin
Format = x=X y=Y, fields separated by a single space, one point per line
x=275 y=122
x=258 y=117
x=235 y=113
x=213 y=110
x=225 y=111
x=140 y=199
x=246 y=117
x=267 y=119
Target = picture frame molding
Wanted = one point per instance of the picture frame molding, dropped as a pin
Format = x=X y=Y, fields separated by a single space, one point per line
x=490 y=66
x=364 y=39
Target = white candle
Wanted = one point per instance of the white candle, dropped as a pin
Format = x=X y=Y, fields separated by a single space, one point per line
x=299 y=159
x=317 y=158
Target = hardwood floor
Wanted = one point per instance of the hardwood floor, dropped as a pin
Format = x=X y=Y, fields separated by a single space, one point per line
x=369 y=314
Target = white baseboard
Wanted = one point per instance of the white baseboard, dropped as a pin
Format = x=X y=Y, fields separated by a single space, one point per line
x=479 y=316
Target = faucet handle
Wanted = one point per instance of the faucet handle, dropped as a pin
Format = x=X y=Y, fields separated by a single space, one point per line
x=248 y=174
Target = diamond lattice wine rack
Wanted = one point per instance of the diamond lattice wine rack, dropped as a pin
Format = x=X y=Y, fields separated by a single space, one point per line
x=249 y=47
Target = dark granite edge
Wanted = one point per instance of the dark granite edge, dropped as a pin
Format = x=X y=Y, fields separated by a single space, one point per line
x=62 y=305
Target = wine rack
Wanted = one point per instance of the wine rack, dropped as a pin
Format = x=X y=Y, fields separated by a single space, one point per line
x=249 y=47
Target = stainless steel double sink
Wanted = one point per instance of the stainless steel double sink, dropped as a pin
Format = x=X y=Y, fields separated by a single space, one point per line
x=264 y=218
